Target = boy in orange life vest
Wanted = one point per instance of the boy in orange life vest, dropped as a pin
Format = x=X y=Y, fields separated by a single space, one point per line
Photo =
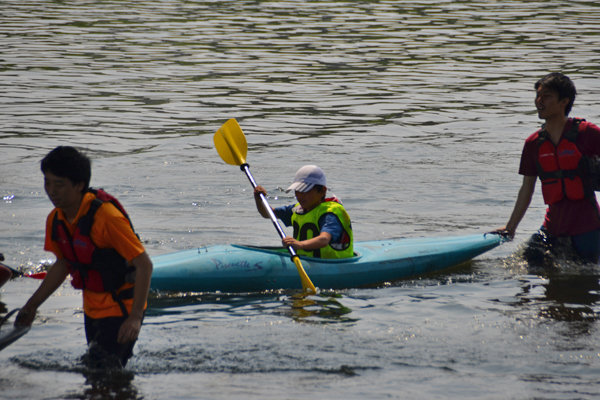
x=553 y=153
x=322 y=227
x=94 y=241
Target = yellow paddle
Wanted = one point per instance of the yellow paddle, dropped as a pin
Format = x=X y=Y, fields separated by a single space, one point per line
x=231 y=144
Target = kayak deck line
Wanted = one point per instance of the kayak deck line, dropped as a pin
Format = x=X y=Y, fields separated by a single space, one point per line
x=282 y=251
x=237 y=268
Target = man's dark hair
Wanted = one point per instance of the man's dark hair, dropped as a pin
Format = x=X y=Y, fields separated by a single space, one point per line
x=561 y=84
x=68 y=162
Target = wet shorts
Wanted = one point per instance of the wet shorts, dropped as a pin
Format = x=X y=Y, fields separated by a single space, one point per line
x=583 y=247
x=104 y=350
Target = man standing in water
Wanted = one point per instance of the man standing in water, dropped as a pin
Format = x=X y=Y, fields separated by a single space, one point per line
x=561 y=154
x=93 y=240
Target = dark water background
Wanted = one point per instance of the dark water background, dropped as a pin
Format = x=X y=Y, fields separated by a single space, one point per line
x=417 y=111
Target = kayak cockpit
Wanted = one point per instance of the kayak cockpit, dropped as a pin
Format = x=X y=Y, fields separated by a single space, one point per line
x=283 y=251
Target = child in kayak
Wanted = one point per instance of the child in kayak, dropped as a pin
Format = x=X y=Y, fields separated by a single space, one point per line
x=322 y=227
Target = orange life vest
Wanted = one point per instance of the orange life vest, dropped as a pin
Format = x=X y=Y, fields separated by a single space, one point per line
x=98 y=270
x=561 y=168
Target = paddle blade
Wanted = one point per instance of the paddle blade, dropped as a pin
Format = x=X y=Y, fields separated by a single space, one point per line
x=230 y=143
x=11 y=334
x=307 y=284
x=37 y=275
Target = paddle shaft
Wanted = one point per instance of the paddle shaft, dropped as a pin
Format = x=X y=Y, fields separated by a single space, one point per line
x=307 y=284
x=231 y=145
x=246 y=169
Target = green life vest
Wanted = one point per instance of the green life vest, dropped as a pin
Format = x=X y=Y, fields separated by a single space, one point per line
x=306 y=226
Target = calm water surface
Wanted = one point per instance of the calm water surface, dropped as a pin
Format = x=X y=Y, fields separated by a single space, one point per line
x=417 y=111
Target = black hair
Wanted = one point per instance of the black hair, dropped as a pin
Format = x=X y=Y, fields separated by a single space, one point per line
x=319 y=187
x=561 y=84
x=68 y=162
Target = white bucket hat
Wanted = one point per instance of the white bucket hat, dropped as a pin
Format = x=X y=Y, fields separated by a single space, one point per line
x=306 y=178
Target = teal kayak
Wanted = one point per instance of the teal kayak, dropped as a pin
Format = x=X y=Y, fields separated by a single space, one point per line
x=241 y=269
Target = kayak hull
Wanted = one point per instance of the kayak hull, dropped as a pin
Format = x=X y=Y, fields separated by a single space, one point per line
x=240 y=269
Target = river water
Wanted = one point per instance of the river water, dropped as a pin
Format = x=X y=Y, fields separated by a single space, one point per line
x=417 y=111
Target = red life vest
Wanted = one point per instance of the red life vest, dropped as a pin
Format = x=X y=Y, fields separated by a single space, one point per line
x=561 y=167
x=98 y=270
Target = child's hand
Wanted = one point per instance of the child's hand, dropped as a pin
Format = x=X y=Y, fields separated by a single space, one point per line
x=260 y=206
x=289 y=241
x=258 y=190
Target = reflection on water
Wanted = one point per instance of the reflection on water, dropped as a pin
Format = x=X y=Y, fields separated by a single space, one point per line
x=574 y=298
x=563 y=290
x=325 y=308
x=115 y=385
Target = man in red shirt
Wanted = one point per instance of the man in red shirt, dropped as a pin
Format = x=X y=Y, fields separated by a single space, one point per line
x=554 y=153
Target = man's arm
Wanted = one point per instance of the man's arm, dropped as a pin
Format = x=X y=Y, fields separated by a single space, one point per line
x=130 y=329
x=521 y=206
x=55 y=277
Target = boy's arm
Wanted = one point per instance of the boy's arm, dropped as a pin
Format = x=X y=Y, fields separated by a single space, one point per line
x=55 y=277
x=259 y=204
x=130 y=329
x=521 y=206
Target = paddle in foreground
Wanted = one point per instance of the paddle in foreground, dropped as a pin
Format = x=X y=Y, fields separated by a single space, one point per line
x=231 y=145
